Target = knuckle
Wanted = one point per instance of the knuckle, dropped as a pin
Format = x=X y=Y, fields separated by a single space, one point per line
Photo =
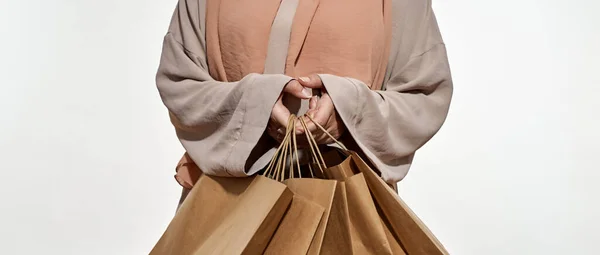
x=315 y=78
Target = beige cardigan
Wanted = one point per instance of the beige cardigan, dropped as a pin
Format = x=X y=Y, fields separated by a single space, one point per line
x=221 y=124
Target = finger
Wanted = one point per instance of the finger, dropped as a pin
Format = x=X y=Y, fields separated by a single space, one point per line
x=271 y=126
x=280 y=114
x=326 y=111
x=275 y=130
x=296 y=89
x=276 y=135
x=311 y=81
x=325 y=96
x=323 y=138
x=312 y=104
x=310 y=126
x=322 y=115
x=299 y=129
x=303 y=140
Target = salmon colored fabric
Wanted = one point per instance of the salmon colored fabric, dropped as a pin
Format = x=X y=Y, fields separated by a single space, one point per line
x=348 y=38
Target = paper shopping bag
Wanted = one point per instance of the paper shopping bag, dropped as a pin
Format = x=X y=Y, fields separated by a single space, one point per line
x=415 y=237
x=297 y=228
x=321 y=192
x=405 y=232
x=226 y=216
x=404 y=224
x=355 y=226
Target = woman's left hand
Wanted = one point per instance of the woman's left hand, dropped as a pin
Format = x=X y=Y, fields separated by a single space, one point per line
x=322 y=111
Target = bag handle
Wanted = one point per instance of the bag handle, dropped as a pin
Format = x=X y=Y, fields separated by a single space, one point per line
x=314 y=148
x=326 y=133
x=289 y=147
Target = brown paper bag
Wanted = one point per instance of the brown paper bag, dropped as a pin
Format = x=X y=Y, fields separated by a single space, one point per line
x=342 y=170
x=297 y=228
x=303 y=227
x=337 y=238
x=321 y=192
x=415 y=237
x=395 y=245
x=355 y=227
x=226 y=216
x=251 y=215
x=399 y=222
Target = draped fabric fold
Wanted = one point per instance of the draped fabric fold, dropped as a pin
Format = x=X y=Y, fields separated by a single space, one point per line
x=219 y=123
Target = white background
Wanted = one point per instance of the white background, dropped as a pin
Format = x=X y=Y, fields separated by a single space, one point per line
x=87 y=151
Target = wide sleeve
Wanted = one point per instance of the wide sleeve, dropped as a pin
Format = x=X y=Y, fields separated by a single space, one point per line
x=390 y=125
x=218 y=123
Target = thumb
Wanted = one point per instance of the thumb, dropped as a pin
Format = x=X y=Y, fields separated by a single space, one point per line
x=294 y=88
x=312 y=81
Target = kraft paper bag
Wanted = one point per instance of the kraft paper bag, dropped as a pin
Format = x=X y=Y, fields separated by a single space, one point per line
x=413 y=234
x=355 y=226
x=320 y=192
x=297 y=228
x=226 y=216
x=405 y=232
x=337 y=238
x=393 y=241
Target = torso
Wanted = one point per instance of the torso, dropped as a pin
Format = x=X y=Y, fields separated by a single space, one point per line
x=341 y=37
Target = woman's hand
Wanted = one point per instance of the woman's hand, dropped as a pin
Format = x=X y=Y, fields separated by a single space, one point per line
x=280 y=114
x=322 y=111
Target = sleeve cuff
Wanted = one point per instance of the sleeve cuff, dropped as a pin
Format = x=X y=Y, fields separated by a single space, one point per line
x=257 y=102
x=344 y=93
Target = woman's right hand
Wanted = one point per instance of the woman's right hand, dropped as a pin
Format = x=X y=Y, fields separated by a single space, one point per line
x=280 y=114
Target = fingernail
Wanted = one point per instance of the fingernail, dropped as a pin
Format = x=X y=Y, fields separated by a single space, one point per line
x=304 y=79
x=307 y=92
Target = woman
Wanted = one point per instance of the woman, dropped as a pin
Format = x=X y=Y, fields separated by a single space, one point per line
x=232 y=71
